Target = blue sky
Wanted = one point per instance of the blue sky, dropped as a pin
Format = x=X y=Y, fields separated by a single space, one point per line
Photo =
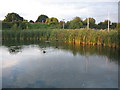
x=62 y=9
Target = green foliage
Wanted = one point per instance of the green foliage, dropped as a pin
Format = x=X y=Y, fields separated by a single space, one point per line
x=23 y=25
x=31 y=21
x=77 y=36
x=14 y=22
x=76 y=23
x=15 y=25
x=103 y=25
x=38 y=26
x=7 y=25
x=11 y=17
x=61 y=24
x=91 y=22
x=114 y=25
x=67 y=25
x=42 y=18
x=53 y=21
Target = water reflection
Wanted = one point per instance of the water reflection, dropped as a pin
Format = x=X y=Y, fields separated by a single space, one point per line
x=14 y=49
x=111 y=53
x=66 y=66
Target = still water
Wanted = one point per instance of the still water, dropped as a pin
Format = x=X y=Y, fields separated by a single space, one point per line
x=58 y=65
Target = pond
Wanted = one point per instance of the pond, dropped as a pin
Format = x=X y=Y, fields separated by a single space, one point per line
x=58 y=65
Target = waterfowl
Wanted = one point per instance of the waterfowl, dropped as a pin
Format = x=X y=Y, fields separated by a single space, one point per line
x=44 y=51
x=13 y=50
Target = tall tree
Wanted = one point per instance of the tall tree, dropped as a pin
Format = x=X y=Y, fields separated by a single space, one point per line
x=67 y=24
x=76 y=23
x=113 y=25
x=31 y=21
x=91 y=22
x=11 y=17
x=42 y=18
x=103 y=25
x=61 y=24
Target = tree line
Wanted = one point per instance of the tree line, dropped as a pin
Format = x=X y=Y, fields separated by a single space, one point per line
x=15 y=21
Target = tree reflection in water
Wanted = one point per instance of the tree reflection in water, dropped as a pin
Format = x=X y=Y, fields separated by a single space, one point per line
x=84 y=50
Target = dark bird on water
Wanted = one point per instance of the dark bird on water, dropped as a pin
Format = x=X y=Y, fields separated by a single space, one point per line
x=44 y=51
x=12 y=50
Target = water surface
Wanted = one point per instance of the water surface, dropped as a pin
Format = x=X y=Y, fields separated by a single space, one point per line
x=58 y=65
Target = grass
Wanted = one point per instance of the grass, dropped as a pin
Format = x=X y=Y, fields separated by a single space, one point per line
x=75 y=36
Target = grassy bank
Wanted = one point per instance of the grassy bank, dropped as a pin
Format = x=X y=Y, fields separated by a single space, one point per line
x=78 y=36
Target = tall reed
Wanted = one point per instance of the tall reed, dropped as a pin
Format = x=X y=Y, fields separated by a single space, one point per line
x=75 y=36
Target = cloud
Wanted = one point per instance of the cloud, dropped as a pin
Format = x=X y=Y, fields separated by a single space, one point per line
x=68 y=9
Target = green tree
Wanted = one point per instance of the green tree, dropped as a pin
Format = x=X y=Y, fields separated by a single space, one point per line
x=91 y=22
x=106 y=22
x=67 y=25
x=52 y=21
x=76 y=23
x=13 y=17
x=61 y=24
x=42 y=18
x=103 y=25
x=31 y=21
x=113 y=25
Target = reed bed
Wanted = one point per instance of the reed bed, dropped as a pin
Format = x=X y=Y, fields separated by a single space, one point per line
x=75 y=36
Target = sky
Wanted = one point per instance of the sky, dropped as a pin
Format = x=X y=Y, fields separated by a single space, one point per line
x=61 y=9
